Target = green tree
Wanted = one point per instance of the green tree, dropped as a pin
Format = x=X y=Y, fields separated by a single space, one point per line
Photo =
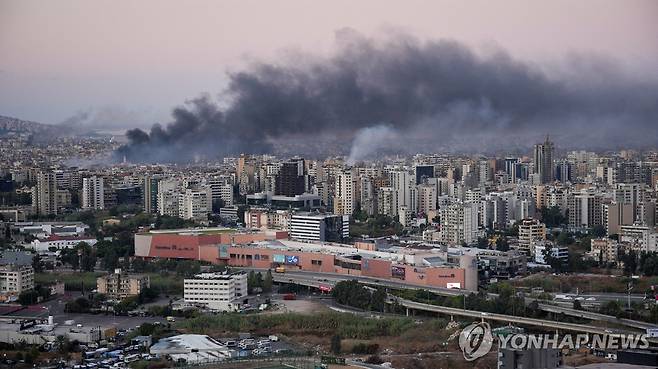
x=37 y=265
x=251 y=282
x=502 y=244
x=28 y=297
x=268 y=281
x=598 y=231
x=552 y=216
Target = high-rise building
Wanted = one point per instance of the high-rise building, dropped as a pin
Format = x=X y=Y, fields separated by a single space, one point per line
x=585 y=209
x=368 y=195
x=151 y=193
x=319 y=227
x=631 y=194
x=530 y=231
x=543 y=161
x=290 y=179
x=194 y=204
x=93 y=195
x=403 y=184
x=386 y=204
x=614 y=215
x=460 y=223
x=44 y=194
x=563 y=171
x=168 y=203
x=426 y=198
x=423 y=172
x=345 y=187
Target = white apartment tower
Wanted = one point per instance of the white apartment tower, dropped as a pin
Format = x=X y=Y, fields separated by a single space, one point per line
x=345 y=200
x=93 y=195
x=459 y=223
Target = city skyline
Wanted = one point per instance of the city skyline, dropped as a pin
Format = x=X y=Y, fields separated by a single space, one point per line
x=476 y=87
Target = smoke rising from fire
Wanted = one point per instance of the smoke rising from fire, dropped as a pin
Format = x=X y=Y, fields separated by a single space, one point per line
x=434 y=94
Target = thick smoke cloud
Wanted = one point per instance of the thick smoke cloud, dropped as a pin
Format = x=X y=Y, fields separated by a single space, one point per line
x=435 y=95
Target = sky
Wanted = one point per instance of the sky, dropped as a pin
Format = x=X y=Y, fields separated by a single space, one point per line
x=128 y=63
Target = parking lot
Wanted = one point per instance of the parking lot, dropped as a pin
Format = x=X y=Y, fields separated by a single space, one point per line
x=55 y=308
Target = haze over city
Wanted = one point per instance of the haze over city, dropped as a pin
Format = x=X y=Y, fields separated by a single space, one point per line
x=344 y=184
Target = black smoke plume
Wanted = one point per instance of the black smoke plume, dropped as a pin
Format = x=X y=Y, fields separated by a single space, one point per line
x=430 y=95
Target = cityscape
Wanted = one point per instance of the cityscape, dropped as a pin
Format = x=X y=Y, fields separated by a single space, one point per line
x=404 y=200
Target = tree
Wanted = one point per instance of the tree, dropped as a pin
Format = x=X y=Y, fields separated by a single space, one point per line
x=28 y=297
x=611 y=308
x=502 y=244
x=268 y=281
x=251 y=282
x=552 y=216
x=629 y=259
x=335 y=344
x=36 y=263
x=378 y=300
x=598 y=231
x=564 y=239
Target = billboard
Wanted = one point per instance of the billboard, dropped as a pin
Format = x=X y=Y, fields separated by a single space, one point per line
x=278 y=258
x=292 y=259
x=398 y=272
x=223 y=251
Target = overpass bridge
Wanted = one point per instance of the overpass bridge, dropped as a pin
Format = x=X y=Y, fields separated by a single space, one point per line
x=317 y=280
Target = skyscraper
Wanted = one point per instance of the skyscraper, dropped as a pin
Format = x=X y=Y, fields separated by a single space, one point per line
x=544 y=161
x=290 y=180
x=345 y=200
x=93 y=195
x=151 y=194
x=44 y=194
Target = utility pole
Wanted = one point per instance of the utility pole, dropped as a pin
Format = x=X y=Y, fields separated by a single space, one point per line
x=630 y=287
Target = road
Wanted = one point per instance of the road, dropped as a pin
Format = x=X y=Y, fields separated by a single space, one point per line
x=504 y=318
x=315 y=279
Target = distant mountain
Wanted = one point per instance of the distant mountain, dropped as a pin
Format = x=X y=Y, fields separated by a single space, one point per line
x=11 y=126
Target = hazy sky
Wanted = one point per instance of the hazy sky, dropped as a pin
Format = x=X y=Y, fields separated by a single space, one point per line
x=135 y=60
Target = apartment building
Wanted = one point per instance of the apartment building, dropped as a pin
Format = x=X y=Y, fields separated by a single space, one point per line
x=217 y=291
x=530 y=230
x=16 y=274
x=319 y=227
x=120 y=285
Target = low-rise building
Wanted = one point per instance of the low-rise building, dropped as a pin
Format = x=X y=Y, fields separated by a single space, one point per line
x=604 y=250
x=557 y=252
x=121 y=285
x=216 y=291
x=16 y=274
x=54 y=243
x=191 y=349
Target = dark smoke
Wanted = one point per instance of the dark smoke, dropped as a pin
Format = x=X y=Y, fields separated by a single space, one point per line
x=433 y=94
